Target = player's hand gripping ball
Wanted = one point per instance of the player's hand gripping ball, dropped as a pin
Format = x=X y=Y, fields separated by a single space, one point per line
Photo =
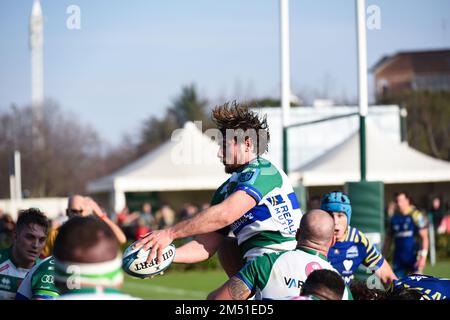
x=135 y=263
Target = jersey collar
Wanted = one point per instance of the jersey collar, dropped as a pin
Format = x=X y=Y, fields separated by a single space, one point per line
x=313 y=252
x=245 y=165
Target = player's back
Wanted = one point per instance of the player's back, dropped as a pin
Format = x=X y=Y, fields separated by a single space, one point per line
x=279 y=275
x=431 y=288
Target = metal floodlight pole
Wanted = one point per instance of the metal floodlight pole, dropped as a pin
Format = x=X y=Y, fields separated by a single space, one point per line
x=285 y=76
x=362 y=82
x=18 y=176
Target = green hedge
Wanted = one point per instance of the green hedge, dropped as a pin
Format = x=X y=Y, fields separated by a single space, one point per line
x=443 y=246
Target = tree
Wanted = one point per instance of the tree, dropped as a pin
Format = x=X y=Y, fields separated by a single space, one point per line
x=188 y=106
x=71 y=153
x=428 y=120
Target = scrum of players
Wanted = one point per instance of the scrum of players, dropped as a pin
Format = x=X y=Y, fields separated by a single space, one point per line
x=266 y=245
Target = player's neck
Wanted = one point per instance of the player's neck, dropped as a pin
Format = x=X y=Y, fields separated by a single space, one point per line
x=310 y=246
x=407 y=210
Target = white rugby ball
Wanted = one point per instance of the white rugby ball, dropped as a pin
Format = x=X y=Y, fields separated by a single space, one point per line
x=134 y=262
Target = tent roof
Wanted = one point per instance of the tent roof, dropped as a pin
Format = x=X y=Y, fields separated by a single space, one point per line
x=387 y=160
x=188 y=161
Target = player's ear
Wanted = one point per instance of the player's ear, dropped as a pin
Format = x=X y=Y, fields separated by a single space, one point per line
x=249 y=145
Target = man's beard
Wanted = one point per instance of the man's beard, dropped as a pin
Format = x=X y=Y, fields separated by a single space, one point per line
x=230 y=168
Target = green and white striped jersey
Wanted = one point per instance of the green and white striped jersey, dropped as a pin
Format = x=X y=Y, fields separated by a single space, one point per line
x=10 y=275
x=39 y=282
x=280 y=275
x=272 y=224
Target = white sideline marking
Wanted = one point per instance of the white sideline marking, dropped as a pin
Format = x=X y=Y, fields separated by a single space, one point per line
x=162 y=289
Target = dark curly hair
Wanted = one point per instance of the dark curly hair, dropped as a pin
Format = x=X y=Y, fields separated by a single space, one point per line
x=32 y=216
x=360 y=291
x=237 y=117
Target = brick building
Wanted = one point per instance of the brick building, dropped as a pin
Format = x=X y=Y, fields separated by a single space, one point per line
x=416 y=70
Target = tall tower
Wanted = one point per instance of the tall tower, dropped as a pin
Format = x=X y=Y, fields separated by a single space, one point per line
x=37 y=61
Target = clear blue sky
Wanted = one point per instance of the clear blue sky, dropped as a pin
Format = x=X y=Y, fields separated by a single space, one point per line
x=130 y=59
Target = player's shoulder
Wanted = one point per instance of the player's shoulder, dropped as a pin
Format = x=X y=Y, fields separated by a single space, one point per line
x=261 y=164
x=419 y=217
x=271 y=257
x=417 y=213
x=47 y=264
x=258 y=170
x=360 y=237
x=265 y=261
x=219 y=194
x=352 y=235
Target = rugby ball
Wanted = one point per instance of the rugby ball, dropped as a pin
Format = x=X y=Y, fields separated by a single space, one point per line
x=134 y=262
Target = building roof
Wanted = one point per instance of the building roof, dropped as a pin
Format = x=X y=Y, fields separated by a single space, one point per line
x=188 y=161
x=431 y=61
x=387 y=160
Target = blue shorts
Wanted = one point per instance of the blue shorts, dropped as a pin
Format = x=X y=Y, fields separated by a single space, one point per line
x=404 y=266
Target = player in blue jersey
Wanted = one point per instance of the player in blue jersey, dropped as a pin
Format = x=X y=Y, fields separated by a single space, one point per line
x=406 y=226
x=352 y=248
x=414 y=287
x=430 y=288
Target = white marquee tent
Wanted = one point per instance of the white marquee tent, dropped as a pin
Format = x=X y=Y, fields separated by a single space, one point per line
x=387 y=160
x=188 y=161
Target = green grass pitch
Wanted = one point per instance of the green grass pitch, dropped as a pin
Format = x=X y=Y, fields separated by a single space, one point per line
x=195 y=285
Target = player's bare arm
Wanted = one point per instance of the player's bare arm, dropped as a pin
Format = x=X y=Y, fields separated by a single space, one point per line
x=103 y=216
x=386 y=274
x=209 y=220
x=233 y=289
x=202 y=248
x=422 y=259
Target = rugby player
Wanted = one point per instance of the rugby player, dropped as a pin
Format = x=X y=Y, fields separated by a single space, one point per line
x=429 y=287
x=83 y=206
x=257 y=203
x=352 y=248
x=88 y=261
x=39 y=282
x=279 y=275
x=16 y=261
x=406 y=226
x=414 y=287
x=323 y=285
